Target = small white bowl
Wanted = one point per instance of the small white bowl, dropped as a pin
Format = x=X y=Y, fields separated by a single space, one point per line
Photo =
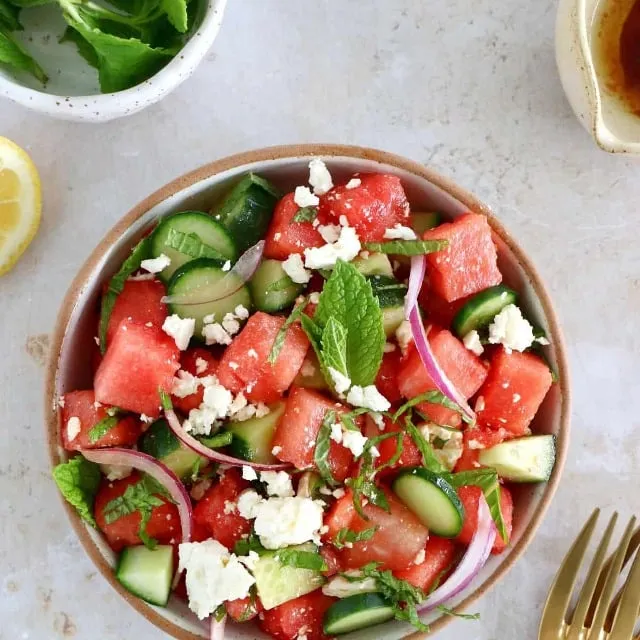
x=73 y=92
x=614 y=128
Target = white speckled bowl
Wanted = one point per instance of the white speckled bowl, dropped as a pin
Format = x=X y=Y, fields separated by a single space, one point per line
x=73 y=92
x=70 y=367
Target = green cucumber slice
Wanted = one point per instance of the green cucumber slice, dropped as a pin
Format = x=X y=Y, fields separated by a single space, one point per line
x=272 y=289
x=359 y=611
x=392 y=318
x=528 y=459
x=161 y=443
x=252 y=438
x=421 y=222
x=205 y=289
x=375 y=264
x=390 y=294
x=432 y=499
x=277 y=583
x=147 y=573
x=482 y=309
x=197 y=234
x=247 y=209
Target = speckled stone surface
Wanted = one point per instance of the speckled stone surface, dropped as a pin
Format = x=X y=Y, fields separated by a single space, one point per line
x=469 y=88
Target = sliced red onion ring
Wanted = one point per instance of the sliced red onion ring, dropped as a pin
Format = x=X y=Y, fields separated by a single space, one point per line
x=416 y=278
x=243 y=269
x=211 y=454
x=217 y=628
x=428 y=358
x=474 y=559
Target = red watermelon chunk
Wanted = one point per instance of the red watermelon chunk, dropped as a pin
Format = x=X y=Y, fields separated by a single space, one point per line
x=378 y=203
x=140 y=300
x=244 y=365
x=83 y=405
x=198 y=362
x=440 y=554
x=463 y=368
x=306 y=613
x=139 y=362
x=285 y=236
x=469 y=264
x=514 y=390
x=475 y=439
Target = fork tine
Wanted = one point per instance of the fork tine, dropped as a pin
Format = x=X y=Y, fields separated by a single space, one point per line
x=555 y=608
x=597 y=627
x=633 y=546
x=588 y=589
x=626 y=615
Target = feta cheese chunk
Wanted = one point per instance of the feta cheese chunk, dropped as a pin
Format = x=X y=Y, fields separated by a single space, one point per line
x=184 y=384
x=293 y=266
x=180 y=329
x=450 y=451
x=227 y=266
x=249 y=473
x=368 y=397
x=213 y=576
x=341 y=383
x=329 y=232
x=215 y=334
x=73 y=428
x=354 y=441
x=156 y=265
x=116 y=471
x=319 y=177
x=398 y=232
x=241 y=312
x=511 y=329
x=336 y=432
x=278 y=483
x=201 y=365
x=354 y=183
x=216 y=404
x=248 y=504
x=230 y=324
x=472 y=342
x=341 y=587
x=304 y=198
x=345 y=248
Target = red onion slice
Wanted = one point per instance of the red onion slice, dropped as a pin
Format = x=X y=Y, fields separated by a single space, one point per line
x=211 y=454
x=416 y=278
x=243 y=269
x=474 y=559
x=158 y=471
x=216 y=631
x=439 y=377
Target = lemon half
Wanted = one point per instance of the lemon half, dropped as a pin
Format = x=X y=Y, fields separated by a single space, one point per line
x=20 y=203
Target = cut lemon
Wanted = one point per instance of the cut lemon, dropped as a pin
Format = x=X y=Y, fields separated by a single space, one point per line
x=20 y=203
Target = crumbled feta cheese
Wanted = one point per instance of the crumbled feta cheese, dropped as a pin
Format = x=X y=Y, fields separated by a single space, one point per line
x=73 y=428
x=375 y=452
x=368 y=397
x=341 y=383
x=475 y=444
x=248 y=503
x=241 y=312
x=276 y=450
x=516 y=398
x=354 y=183
x=239 y=403
x=209 y=318
x=339 y=493
x=156 y=265
x=511 y=329
x=420 y=557
x=354 y=441
x=216 y=404
x=308 y=369
x=246 y=413
x=404 y=336
x=229 y=507
x=262 y=410
x=277 y=236
x=233 y=365
x=341 y=587
x=389 y=347
x=201 y=365
x=314 y=297
x=249 y=473
x=278 y=483
x=184 y=384
x=329 y=232
x=148 y=324
x=61 y=401
x=304 y=198
x=116 y=471
x=213 y=576
x=450 y=445
x=252 y=353
x=215 y=334
x=227 y=266
x=378 y=419
x=319 y=177
x=230 y=324
x=96 y=340
x=336 y=432
x=472 y=342
x=480 y=404
x=398 y=232
x=180 y=329
x=346 y=248
x=293 y=266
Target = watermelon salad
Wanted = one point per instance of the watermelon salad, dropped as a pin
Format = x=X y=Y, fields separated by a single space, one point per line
x=307 y=409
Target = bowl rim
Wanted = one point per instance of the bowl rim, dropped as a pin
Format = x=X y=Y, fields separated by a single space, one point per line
x=300 y=151
x=108 y=106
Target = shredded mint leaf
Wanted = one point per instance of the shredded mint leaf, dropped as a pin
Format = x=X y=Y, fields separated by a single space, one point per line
x=252 y=543
x=323 y=444
x=281 y=336
x=306 y=214
x=220 y=613
x=14 y=55
x=429 y=458
x=435 y=397
x=348 y=298
x=348 y=419
x=280 y=285
x=78 y=481
x=9 y=16
x=345 y=536
x=195 y=469
x=176 y=11
x=334 y=346
x=165 y=400
x=454 y=614
x=191 y=245
x=407 y=247
x=222 y=439
x=300 y=559
x=103 y=427
x=116 y=285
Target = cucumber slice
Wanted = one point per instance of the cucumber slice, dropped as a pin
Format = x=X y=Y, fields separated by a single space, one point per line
x=205 y=289
x=529 y=459
x=252 y=438
x=432 y=499
x=147 y=573
x=247 y=210
x=197 y=234
x=272 y=289
x=390 y=294
x=161 y=443
x=309 y=485
x=357 y=612
x=421 y=222
x=277 y=583
x=375 y=264
x=482 y=309
x=391 y=319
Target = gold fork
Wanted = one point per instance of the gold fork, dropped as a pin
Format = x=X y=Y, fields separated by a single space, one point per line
x=598 y=614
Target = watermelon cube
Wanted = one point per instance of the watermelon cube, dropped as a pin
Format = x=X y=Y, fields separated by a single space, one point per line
x=140 y=362
x=514 y=390
x=469 y=264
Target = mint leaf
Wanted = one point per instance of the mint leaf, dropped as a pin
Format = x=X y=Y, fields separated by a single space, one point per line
x=139 y=253
x=252 y=543
x=165 y=400
x=334 y=346
x=78 y=481
x=407 y=247
x=429 y=458
x=100 y=429
x=435 y=397
x=306 y=214
x=299 y=559
x=323 y=444
x=345 y=536
x=191 y=245
x=9 y=16
x=176 y=11
x=16 y=57
x=281 y=336
x=347 y=297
